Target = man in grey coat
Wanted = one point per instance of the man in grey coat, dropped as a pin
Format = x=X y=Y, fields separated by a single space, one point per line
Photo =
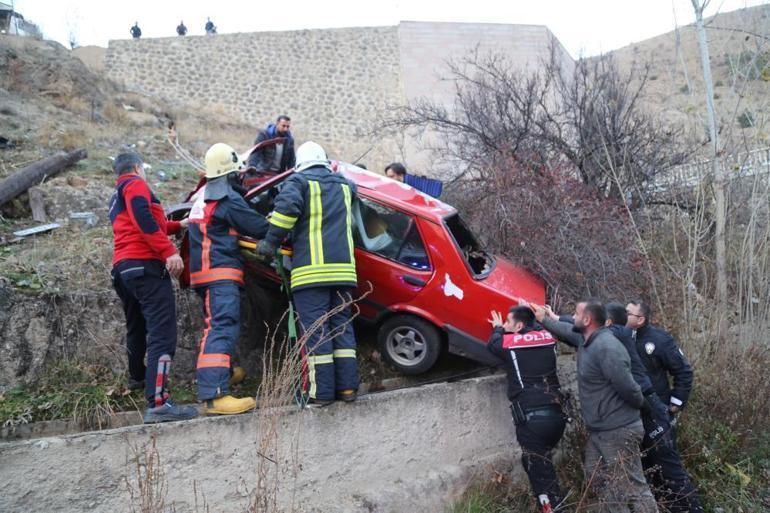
x=610 y=401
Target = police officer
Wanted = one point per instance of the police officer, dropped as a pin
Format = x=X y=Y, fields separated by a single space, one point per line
x=314 y=206
x=216 y=218
x=529 y=356
x=661 y=356
x=144 y=260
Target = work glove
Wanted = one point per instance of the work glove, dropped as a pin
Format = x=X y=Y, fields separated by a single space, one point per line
x=265 y=248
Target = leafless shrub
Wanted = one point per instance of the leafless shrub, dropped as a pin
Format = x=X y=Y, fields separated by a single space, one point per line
x=148 y=488
x=278 y=424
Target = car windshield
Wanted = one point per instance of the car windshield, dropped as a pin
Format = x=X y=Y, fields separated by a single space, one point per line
x=479 y=262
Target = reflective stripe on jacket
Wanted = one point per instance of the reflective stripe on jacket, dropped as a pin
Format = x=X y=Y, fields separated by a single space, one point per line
x=316 y=207
x=215 y=222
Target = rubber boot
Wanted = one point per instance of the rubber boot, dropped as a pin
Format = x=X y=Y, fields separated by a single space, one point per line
x=229 y=405
x=238 y=375
x=349 y=395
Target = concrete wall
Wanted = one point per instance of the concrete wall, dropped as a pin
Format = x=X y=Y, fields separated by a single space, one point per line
x=402 y=451
x=335 y=84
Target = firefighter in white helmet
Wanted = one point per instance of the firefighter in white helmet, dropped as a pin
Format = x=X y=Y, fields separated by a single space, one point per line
x=315 y=206
x=218 y=215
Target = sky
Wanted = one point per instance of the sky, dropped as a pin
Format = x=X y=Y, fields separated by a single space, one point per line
x=585 y=27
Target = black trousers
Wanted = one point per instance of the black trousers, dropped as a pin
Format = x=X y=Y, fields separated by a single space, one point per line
x=537 y=438
x=144 y=288
x=660 y=457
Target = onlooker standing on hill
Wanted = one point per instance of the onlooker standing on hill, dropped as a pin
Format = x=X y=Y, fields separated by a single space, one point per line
x=181 y=29
x=276 y=154
x=136 y=32
x=661 y=356
x=210 y=28
x=528 y=353
x=143 y=262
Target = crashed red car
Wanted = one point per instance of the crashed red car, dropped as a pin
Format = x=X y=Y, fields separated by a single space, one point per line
x=432 y=285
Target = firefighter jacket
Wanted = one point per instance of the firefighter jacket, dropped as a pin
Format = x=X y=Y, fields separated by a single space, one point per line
x=315 y=206
x=661 y=356
x=217 y=216
x=530 y=362
x=139 y=226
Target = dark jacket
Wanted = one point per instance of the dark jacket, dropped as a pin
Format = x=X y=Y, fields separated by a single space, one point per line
x=262 y=159
x=316 y=207
x=609 y=396
x=661 y=355
x=563 y=331
x=529 y=358
x=217 y=216
x=138 y=223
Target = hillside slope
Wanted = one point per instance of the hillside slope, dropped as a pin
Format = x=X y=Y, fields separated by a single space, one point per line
x=739 y=46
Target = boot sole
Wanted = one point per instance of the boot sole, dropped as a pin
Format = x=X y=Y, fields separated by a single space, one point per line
x=230 y=412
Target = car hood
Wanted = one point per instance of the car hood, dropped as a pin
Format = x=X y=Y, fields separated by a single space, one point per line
x=515 y=281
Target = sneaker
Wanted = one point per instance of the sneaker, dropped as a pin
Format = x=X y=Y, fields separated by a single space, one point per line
x=349 y=395
x=169 y=412
x=135 y=384
x=229 y=405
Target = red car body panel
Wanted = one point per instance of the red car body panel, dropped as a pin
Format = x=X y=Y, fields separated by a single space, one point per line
x=448 y=295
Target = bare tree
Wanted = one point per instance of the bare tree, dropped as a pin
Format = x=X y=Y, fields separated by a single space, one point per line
x=720 y=203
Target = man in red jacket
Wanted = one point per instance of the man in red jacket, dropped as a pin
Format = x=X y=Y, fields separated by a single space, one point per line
x=143 y=262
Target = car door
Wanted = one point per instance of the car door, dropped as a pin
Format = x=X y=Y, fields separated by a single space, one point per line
x=391 y=261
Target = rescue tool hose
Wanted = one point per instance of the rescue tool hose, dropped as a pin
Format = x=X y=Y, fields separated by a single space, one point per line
x=291 y=317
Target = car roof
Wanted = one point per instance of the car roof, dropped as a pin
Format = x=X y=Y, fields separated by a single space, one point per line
x=396 y=193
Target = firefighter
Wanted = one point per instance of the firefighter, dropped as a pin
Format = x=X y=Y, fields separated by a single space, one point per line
x=529 y=356
x=315 y=207
x=661 y=356
x=217 y=216
x=143 y=262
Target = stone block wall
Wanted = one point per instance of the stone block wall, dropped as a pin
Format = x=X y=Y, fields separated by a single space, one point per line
x=334 y=84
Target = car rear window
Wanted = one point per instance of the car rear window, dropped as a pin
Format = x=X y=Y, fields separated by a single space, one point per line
x=479 y=262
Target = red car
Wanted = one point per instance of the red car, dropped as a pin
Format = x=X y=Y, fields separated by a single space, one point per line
x=432 y=285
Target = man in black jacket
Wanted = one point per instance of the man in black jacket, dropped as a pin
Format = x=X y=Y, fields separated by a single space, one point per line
x=661 y=356
x=528 y=353
x=276 y=154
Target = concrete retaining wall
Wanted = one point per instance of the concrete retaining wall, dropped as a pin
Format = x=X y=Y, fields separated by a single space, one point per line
x=402 y=451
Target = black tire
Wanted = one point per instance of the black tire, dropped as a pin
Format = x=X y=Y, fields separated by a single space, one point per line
x=410 y=344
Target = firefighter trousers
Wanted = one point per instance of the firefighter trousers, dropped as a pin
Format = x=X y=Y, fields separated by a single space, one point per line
x=330 y=341
x=661 y=460
x=222 y=318
x=144 y=288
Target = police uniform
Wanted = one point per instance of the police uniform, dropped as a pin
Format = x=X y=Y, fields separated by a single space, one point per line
x=217 y=216
x=661 y=356
x=314 y=206
x=529 y=357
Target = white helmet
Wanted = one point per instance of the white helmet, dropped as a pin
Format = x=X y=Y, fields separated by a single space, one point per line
x=221 y=159
x=310 y=154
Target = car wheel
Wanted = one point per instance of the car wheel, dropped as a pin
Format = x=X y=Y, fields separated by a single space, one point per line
x=409 y=344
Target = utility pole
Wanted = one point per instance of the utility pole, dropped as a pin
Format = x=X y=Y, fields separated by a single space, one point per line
x=718 y=175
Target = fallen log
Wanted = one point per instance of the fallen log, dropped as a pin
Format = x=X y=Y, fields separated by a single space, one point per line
x=17 y=183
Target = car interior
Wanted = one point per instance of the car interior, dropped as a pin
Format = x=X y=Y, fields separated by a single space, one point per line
x=479 y=261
